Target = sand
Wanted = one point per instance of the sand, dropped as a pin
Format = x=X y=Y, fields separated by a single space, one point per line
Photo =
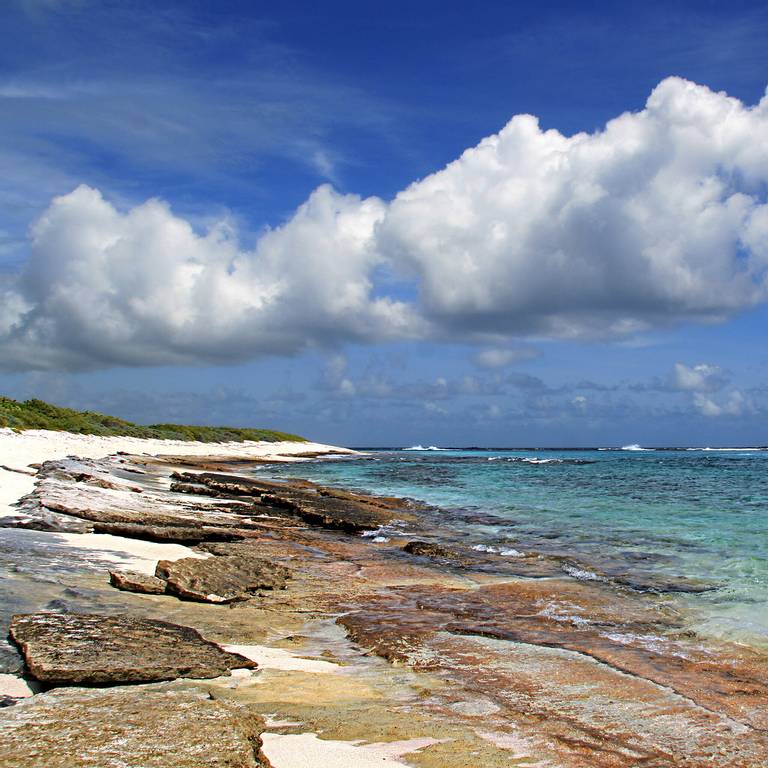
x=15 y=687
x=278 y=658
x=306 y=750
x=127 y=554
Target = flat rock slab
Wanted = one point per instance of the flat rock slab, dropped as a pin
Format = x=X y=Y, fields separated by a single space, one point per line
x=131 y=581
x=221 y=579
x=92 y=649
x=316 y=505
x=171 y=534
x=137 y=726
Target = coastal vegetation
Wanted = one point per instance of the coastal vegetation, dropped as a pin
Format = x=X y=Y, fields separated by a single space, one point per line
x=37 y=414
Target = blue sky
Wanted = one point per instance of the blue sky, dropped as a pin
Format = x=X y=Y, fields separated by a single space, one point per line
x=164 y=254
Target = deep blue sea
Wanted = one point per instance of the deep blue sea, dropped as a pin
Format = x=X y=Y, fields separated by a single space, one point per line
x=698 y=515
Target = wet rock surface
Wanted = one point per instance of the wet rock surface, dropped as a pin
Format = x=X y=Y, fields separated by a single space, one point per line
x=221 y=579
x=626 y=650
x=92 y=649
x=131 y=581
x=431 y=549
x=141 y=726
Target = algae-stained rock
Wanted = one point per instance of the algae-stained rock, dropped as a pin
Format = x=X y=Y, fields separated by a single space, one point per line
x=220 y=579
x=145 y=726
x=131 y=581
x=250 y=548
x=430 y=549
x=94 y=649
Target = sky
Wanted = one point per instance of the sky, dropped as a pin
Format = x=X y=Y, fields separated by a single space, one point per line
x=486 y=223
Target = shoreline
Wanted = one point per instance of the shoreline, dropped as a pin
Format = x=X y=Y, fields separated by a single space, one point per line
x=403 y=649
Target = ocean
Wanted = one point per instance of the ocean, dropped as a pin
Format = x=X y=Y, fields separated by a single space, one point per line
x=691 y=524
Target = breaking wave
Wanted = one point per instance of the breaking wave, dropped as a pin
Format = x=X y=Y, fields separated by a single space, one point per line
x=526 y=460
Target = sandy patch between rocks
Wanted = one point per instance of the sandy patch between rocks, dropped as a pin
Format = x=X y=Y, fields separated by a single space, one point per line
x=127 y=554
x=279 y=658
x=306 y=750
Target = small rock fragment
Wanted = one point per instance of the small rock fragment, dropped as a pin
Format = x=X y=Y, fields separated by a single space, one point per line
x=430 y=549
x=132 y=581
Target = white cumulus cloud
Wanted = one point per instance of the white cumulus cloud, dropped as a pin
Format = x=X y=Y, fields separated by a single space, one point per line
x=659 y=218
x=103 y=287
x=501 y=357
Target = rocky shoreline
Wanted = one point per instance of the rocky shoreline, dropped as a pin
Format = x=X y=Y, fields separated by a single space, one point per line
x=301 y=625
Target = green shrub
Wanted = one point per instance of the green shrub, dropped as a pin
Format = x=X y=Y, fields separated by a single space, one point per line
x=37 y=414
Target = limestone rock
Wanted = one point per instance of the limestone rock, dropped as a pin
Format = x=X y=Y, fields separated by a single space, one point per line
x=220 y=579
x=33 y=517
x=152 y=726
x=173 y=534
x=86 y=495
x=316 y=505
x=131 y=581
x=93 y=649
x=251 y=548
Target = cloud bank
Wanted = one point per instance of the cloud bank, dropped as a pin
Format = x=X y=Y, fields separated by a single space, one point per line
x=660 y=218
x=698 y=378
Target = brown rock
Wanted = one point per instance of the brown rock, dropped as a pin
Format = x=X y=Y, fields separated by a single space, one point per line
x=220 y=579
x=103 y=482
x=316 y=505
x=174 y=534
x=250 y=549
x=152 y=726
x=92 y=649
x=197 y=490
x=430 y=549
x=131 y=581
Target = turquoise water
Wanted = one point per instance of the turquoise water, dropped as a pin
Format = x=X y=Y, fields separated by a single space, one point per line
x=687 y=517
